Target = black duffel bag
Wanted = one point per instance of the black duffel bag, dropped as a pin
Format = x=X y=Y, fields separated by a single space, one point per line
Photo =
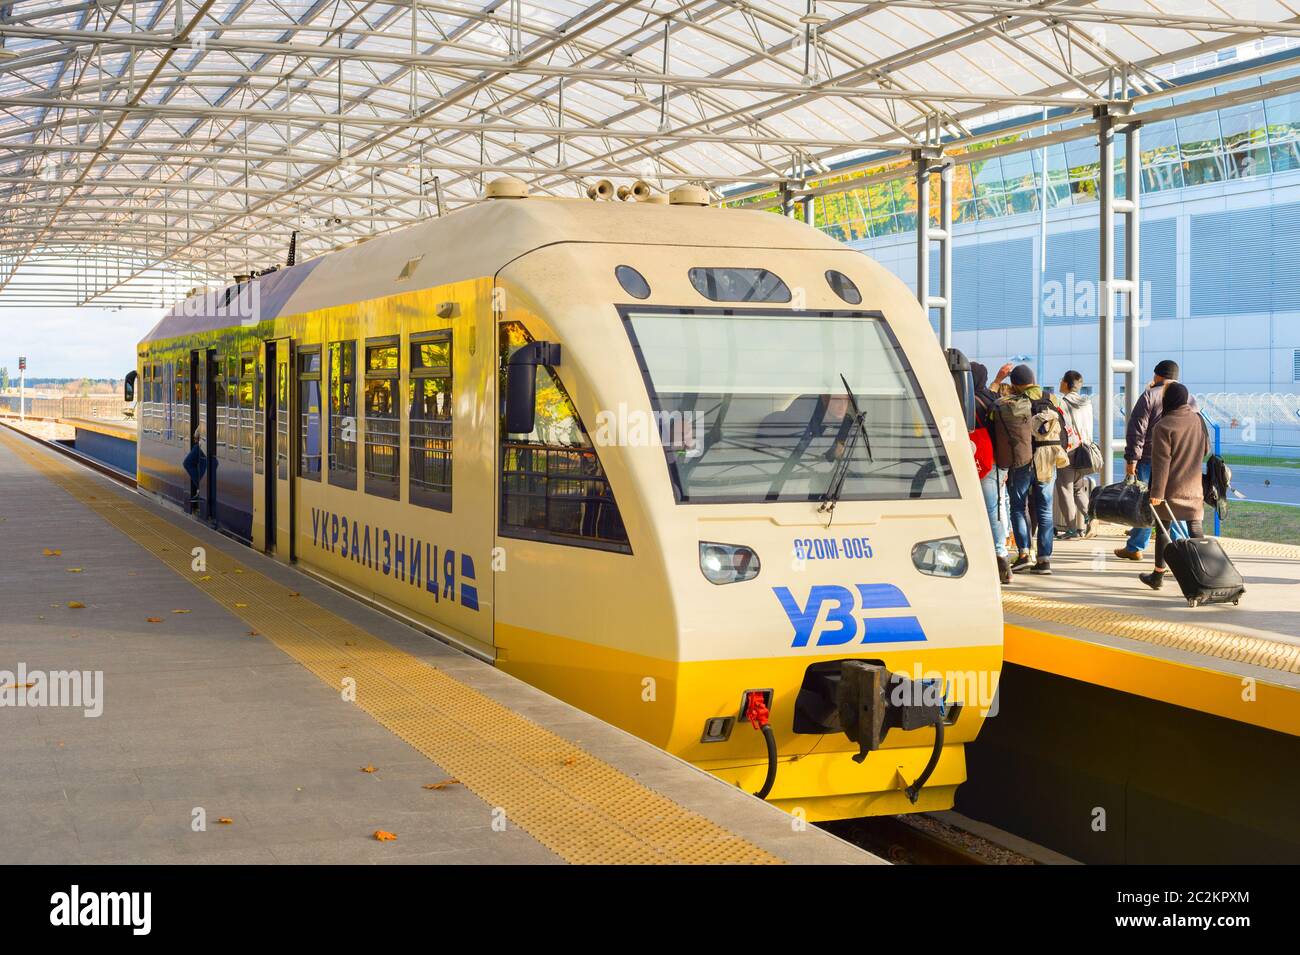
x=1127 y=503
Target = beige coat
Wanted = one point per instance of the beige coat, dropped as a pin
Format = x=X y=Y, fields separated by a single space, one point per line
x=1179 y=445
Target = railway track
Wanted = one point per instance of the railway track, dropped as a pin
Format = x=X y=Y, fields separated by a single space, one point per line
x=128 y=480
x=922 y=839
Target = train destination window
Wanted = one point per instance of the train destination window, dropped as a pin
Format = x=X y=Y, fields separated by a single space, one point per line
x=309 y=413
x=843 y=286
x=739 y=285
x=553 y=487
x=430 y=403
x=633 y=282
x=763 y=415
x=383 y=424
x=343 y=414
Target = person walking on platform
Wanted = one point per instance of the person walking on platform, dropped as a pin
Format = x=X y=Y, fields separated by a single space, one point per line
x=993 y=479
x=1028 y=428
x=1179 y=443
x=1137 y=445
x=1073 y=484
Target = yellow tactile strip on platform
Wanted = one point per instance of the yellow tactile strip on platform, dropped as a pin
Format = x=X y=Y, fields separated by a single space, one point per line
x=1224 y=644
x=578 y=806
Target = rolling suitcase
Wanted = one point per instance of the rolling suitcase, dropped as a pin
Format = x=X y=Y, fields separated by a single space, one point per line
x=1203 y=570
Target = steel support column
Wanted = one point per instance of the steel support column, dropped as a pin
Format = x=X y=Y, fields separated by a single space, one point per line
x=1109 y=286
x=926 y=164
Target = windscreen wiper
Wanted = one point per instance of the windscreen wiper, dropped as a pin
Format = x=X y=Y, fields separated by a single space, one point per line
x=841 y=470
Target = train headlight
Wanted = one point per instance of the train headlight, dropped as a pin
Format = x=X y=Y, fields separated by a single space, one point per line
x=727 y=563
x=940 y=558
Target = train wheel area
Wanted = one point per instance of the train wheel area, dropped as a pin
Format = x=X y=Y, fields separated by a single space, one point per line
x=228 y=709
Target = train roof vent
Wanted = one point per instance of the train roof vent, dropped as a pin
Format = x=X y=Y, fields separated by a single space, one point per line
x=507 y=187
x=689 y=195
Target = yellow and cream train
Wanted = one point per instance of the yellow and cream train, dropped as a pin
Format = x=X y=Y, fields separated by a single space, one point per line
x=697 y=471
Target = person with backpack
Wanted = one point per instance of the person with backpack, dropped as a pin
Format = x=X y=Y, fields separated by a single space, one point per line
x=1073 y=482
x=1137 y=445
x=1028 y=436
x=1179 y=442
x=992 y=478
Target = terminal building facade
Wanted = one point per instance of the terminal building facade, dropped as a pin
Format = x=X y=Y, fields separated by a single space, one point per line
x=1220 y=258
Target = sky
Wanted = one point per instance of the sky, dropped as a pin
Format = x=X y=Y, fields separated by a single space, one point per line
x=73 y=342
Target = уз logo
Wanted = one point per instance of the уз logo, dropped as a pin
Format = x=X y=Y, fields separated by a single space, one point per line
x=843 y=623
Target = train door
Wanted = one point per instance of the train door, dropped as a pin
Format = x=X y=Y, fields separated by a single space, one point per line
x=203 y=418
x=196 y=438
x=281 y=401
x=263 y=501
x=273 y=452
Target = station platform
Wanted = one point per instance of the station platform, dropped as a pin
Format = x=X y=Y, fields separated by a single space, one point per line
x=1134 y=729
x=249 y=714
x=1093 y=620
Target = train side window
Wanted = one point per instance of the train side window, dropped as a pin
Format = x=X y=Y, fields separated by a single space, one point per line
x=259 y=419
x=181 y=428
x=430 y=395
x=219 y=401
x=343 y=414
x=383 y=423
x=247 y=371
x=309 y=407
x=739 y=285
x=553 y=487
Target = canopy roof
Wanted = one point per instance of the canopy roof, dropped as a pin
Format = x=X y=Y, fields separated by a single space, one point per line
x=147 y=146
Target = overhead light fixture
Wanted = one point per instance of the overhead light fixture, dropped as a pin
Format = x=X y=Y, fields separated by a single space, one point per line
x=6 y=53
x=814 y=19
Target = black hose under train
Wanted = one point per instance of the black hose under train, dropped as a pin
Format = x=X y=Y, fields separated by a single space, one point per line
x=769 y=737
x=914 y=791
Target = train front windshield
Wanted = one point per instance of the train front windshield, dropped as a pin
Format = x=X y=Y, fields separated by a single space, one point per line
x=753 y=406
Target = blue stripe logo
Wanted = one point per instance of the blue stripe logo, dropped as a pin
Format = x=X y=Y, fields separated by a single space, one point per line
x=844 y=620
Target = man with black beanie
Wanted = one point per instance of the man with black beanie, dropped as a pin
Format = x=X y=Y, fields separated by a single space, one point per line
x=1137 y=445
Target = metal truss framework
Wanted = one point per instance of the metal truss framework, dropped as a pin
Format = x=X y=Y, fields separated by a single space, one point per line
x=150 y=145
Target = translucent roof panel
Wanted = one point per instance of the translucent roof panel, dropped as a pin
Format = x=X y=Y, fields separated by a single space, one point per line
x=152 y=143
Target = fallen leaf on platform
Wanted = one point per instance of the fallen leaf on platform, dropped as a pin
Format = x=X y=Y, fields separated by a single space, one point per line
x=50 y=552
x=442 y=785
x=383 y=836
x=241 y=605
x=17 y=686
x=206 y=577
x=367 y=768
x=226 y=821
x=238 y=570
x=74 y=570
x=294 y=593
x=180 y=611
x=75 y=605
x=570 y=760
x=253 y=633
x=153 y=619
x=348 y=643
